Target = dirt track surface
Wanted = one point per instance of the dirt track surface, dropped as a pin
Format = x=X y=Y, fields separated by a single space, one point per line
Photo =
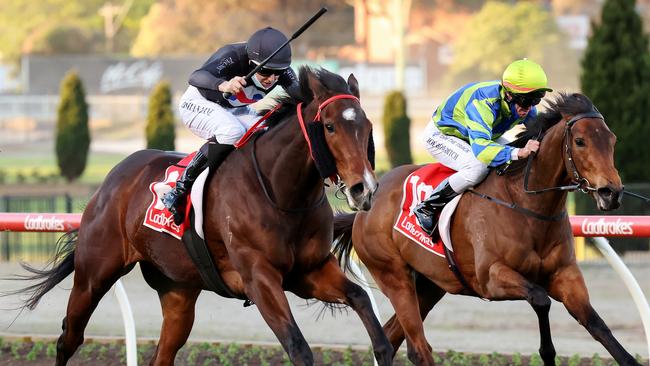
x=457 y=322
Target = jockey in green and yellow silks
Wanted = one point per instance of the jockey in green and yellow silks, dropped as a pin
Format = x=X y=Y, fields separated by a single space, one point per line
x=463 y=130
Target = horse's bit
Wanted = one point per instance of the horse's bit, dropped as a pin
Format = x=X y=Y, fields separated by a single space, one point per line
x=258 y=172
x=582 y=183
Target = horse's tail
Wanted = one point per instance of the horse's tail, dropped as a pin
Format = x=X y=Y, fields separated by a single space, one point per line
x=62 y=264
x=343 y=238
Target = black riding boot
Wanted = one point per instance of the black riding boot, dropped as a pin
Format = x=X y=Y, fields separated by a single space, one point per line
x=175 y=199
x=426 y=211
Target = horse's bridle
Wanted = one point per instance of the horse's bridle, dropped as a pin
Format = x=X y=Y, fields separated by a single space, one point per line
x=580 y=183
x=258 y=172
x=312 y=132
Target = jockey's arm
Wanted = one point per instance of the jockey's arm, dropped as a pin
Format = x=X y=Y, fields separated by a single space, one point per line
x=479 y=119
x=204 y=79
x=289 y=82
x=222 y=66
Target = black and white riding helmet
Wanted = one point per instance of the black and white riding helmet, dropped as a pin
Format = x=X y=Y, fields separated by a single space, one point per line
x=263 y=43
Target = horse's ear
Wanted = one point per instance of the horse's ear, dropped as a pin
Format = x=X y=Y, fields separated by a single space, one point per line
x=354 y=85
x=317 y=88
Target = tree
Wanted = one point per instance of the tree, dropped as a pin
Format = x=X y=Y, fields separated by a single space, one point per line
x=62 y=26
x=160 y=120
x=72 y=134
x=177 y=27
x=396 y=129
x=501 y=33
x=616 y=76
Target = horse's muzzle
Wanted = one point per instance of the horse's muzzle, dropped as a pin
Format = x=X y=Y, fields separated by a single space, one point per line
x=609 y=198
x=360 y=195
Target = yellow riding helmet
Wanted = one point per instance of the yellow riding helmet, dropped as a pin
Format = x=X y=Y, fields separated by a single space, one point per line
x=524 y=76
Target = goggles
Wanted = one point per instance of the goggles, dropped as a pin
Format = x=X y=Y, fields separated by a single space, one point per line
x=268 y=72
x=528 y=99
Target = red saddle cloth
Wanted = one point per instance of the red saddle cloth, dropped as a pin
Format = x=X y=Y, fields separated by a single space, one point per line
x=157 y=215
x=417 y=187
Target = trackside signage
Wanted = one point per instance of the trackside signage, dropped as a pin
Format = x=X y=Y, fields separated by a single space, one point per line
x=589 y=226
x=610 y=226
x=39 y=222
x=43 y=223
x=605 y=228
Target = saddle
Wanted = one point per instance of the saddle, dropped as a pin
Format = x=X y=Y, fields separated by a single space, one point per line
x=190 y=232
x=417 y=187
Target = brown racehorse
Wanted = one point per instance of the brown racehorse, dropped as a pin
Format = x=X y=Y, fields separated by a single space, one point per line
x=503 y=253
x=267 y=225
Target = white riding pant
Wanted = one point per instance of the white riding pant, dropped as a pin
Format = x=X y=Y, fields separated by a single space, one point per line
x=206 y=119
x=456 y=154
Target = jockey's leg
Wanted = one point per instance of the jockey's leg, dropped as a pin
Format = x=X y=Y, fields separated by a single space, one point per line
x=456 y=154
x=175 y=199
x=211 y=121
x=425 y=211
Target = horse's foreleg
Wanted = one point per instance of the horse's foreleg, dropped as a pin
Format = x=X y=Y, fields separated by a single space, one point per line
x=328 y=283
x=505 y=283
x=263 y=286
x=568 y=287
x=428 y=296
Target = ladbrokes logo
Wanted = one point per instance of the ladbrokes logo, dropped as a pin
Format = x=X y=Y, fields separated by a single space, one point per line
x=602 y=227
x=39 y=222
x=165 y=221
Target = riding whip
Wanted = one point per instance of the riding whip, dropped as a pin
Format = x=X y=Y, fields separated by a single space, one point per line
x=311 y=21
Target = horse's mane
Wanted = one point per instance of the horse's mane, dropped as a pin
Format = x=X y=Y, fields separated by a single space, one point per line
x=304 y=94
x=563 y=103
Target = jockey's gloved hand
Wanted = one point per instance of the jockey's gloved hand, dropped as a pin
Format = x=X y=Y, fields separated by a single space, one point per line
x=233 y=86
x=531 y=147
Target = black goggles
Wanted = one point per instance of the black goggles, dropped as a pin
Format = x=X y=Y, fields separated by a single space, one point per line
x=528 y=99
x=268 y=72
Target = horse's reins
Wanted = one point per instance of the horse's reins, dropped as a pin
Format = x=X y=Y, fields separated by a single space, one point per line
x=258 y=173
x=317 y=118
x=581 y=183
x=301 y=121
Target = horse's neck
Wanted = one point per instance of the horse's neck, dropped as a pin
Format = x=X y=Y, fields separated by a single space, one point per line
x=547 y=170
x=285 y=160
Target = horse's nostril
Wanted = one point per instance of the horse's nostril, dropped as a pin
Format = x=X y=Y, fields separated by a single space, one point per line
x=356 y=189
x=605 y=192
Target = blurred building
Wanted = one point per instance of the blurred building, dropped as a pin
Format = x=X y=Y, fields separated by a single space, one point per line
x=118 y=87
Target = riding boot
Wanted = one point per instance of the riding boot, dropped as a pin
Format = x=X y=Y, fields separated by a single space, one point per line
x=175 y=200
x=426 y=211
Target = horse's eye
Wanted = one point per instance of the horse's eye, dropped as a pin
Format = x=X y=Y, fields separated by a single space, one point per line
x=580 y=142
x=329 y=127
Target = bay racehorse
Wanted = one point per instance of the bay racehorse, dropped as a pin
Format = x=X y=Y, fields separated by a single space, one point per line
x=268 y=227
x=518 y=249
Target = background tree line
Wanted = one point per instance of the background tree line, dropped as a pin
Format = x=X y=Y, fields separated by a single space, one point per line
x=615 y=68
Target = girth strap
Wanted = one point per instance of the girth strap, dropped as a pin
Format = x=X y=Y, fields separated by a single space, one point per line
x=198 y=251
